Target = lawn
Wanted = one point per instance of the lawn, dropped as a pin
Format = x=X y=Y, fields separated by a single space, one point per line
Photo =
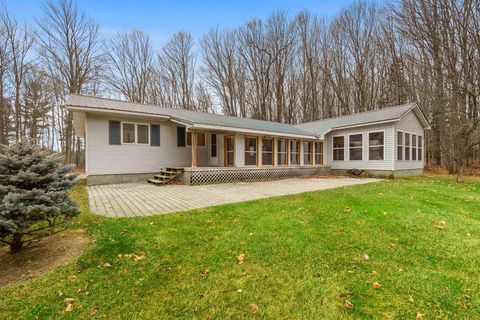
x=306 y=256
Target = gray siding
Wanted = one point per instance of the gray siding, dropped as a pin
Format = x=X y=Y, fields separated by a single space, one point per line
x=365 y=164
x=409 y=123
x=103 y=158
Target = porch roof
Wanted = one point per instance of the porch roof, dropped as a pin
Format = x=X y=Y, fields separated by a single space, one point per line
x=192 y=119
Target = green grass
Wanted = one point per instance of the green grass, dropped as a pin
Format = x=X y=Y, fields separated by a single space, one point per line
x=304 y=256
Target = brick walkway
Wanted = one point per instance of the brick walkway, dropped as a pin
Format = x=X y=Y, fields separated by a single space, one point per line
x=140 y=199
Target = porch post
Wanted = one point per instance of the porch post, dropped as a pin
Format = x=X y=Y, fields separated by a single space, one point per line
x=194 y=149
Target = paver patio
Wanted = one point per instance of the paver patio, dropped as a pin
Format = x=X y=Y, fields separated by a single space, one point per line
x=140 y=199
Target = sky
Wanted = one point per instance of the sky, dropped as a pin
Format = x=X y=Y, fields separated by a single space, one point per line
x=160 y=19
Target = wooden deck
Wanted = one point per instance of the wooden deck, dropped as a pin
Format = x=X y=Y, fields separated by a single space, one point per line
x=140 y=199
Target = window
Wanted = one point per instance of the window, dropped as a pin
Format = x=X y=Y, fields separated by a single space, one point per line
x=375 y=145
x=399 y=145
x=294 y=152
x=281 y=152
x=180 y=136
x=338 y=148
x=213 y=145
x=319 y=152
x=307 y=152
x=155 y=135
x=414 y=147
x=142 y=133
x=200 y=139
x=356 y=146
x=114 y=132
x=128 y=130
x=407 y=146
x=250 y=151
x=267 y=152
x=420 y=148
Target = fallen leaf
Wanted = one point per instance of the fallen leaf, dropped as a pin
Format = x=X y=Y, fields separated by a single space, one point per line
x=419 y=316
x=347 y=210
x=375 y=273
x=69 y=300
x=348 y=304
x=366 y=256
x=93 y=310
x=410 y=298
x=107 y=265
x=254 y=308
x=240 y=258
x=376 y=285
x=69 y=307
x=204 y=273
x=239 y=290
x=124 y=231
x=442 y=222
x=60 y=293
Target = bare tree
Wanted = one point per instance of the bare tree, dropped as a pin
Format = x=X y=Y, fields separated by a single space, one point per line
x=20 y=41
x=4 y=68
x=177 y=69
x=69 y=46
x=130 y=65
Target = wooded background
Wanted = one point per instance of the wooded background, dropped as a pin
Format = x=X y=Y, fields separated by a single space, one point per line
x=289 y=68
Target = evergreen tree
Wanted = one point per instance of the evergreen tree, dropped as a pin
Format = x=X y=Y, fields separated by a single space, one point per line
x=34 y=197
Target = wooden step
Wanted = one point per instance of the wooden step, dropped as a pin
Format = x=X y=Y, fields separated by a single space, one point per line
x=156 y=181
x=163 y=176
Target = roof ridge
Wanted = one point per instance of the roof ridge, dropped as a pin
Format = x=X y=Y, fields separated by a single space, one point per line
x=356 y=114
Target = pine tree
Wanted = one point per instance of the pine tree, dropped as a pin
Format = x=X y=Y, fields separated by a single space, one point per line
x=34 y=196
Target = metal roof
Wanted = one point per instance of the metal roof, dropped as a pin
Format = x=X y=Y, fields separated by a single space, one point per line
x=193 y=118
x=390 y=114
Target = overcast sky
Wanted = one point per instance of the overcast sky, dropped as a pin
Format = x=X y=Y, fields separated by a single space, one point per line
x=162 y=18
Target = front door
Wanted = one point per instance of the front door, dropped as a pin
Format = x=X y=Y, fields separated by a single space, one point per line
x=229 y=151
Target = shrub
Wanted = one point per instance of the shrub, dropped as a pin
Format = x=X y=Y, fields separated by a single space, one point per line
x=34 y=197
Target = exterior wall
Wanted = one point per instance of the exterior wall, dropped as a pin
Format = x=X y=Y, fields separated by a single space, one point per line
x=409 y=123
x=103 y=158
x=365 y=164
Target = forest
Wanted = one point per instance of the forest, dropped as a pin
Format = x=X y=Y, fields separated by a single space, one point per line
x=291 y=67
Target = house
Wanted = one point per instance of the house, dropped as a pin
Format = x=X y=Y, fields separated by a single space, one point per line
x=132 y=142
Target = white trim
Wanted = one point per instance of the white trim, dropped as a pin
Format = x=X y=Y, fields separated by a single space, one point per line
x=368 y=146
x=100 y=110
x=253 y=132
x=344 y=148
x=135 y=133
x=361 y=147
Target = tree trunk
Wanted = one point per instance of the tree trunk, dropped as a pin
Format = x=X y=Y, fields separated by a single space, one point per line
x=16 y=244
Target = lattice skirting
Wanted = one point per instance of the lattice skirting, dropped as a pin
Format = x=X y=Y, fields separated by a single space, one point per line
x=246 y=174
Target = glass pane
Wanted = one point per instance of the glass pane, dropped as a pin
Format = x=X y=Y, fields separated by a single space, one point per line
x=282 y=146
x=407 y=151
x=355 y=140
x=376 y=153
x=407 y=139
x=250 y=158
x=338 y=154
x=128 y=133
x=267 y=159
x=356 y=154
x=338 y=142
x=414 y=140
x=375 y=138
x=229 y=144
x=294 y=146
x=399 y=138
x=250 y=151
x=282 y=159
x=420 y=141
x=400 y=153
x=213 y=145
x=318 y=159
x=414 y=153
x=267 y=145
x=420 y=154
x=142 y=133
x=293 y=158
x=229 y=158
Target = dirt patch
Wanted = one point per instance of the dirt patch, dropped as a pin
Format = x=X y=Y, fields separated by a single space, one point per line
x=40 y=257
